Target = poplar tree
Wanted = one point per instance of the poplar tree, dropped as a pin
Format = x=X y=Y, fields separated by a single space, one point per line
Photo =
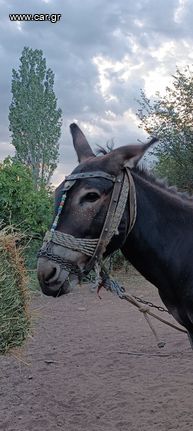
x=35 y=120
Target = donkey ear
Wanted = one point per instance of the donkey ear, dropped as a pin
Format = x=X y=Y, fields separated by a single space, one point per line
x=80 y=143
x=130 y=155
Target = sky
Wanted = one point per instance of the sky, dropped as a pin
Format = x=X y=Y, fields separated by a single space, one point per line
x=102 y=53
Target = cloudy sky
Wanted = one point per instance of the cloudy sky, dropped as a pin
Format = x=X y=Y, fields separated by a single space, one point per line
x=102 y=53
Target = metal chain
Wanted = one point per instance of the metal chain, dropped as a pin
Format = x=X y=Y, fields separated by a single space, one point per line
x=150 y=304
x=91 y=278
x=68 y=266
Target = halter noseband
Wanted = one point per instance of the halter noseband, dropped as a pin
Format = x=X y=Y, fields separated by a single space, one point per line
x=94 y=248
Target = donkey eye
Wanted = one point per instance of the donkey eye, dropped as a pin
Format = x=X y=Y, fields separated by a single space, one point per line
x=91 y=197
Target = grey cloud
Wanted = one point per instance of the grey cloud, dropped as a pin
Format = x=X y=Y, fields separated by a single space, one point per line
x=90 y=28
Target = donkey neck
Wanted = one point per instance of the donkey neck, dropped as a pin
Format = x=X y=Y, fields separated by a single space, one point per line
x=156 y=244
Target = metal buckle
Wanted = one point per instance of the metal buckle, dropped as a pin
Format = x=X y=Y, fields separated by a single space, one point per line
x=67 y=185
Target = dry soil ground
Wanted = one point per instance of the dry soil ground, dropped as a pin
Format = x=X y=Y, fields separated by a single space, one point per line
x=93 y=365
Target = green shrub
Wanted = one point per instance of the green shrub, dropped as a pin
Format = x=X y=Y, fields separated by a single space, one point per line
x=24 y=206
x=21 y=203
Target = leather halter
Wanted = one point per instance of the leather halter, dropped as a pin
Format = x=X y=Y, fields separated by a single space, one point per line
x=123 y=185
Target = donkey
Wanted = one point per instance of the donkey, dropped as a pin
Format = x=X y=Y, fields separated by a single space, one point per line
x=158 y=244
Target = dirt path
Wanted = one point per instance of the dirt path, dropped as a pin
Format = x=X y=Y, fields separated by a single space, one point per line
x=94 y=366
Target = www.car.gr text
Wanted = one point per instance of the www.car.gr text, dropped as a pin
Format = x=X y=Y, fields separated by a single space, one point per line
x=53 y=17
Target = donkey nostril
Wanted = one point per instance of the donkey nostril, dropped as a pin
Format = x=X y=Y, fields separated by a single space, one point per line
x=51 y=275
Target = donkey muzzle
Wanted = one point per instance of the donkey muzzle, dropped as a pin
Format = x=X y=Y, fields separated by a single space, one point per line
x=54 y=281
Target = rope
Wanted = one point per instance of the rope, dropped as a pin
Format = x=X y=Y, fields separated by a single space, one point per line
x=114 y=287
x=86 y=246
x=145 y=309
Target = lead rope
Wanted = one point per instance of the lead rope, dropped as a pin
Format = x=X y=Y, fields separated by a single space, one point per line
x=113 y=286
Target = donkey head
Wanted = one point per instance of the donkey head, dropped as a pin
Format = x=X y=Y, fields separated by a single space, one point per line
x=85 y=208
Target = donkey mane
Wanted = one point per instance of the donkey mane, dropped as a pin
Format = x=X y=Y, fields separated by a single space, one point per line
x=162 y=183
x=100 y=150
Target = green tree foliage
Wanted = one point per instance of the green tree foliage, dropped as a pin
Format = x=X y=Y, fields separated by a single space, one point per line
x=35 y=121
x=171 y=118
x=21 y=204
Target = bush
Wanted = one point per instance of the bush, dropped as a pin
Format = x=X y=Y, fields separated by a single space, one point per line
x=24 y=206
x=21 y=203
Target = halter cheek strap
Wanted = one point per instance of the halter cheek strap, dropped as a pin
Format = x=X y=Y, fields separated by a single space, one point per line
x=113 y=218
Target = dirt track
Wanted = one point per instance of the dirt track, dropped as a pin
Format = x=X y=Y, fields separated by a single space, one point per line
x=94 y=365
